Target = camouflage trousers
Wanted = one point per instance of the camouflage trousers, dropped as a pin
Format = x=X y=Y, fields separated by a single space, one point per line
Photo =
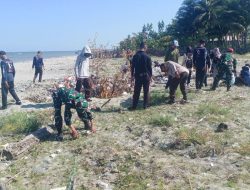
x=57 y=103
x=58 y=113
x=85 y=116
x=223 y=71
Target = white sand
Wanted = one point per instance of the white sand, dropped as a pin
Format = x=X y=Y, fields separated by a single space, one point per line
x=54 y=68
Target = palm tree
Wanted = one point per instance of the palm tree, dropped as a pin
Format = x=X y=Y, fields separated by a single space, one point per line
x=208 y=17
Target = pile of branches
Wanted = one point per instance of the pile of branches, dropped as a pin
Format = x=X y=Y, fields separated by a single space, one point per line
x=109 y=87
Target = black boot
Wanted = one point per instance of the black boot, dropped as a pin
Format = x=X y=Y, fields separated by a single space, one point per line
x=59 y=137
x=171 y=101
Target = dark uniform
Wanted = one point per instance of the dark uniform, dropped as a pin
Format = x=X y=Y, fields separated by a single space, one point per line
x=225 y=69
x=188 y=63
x=200 y=63
x=208 y=66
x=72 y=100
x=38 y=65
x=8 y=75
x=141 y=70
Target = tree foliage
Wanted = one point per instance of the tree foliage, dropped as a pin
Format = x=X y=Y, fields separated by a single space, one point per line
x=222 y=23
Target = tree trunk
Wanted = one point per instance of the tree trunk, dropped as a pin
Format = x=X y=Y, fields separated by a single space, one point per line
x=13 y=150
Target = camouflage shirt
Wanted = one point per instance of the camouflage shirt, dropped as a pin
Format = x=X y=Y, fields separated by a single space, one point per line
x=228 y=61
x=172 y=55
x=71 y=95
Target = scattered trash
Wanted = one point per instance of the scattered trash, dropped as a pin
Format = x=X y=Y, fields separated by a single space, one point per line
x=103 y=185
x=221 y=127
x=59 y=188
x=53 y=155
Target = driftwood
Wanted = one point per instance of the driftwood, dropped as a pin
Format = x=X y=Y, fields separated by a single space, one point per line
x=13 y=150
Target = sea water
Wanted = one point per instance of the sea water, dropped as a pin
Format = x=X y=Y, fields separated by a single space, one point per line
x=28 y=56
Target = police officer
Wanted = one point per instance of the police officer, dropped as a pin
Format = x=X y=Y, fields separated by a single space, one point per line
x=141 y=72
x=8 y=75
x=179 y=75
x=200 y=57
x=226 y=68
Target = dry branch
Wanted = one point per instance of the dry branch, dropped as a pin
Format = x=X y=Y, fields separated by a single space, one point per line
x=13 y=150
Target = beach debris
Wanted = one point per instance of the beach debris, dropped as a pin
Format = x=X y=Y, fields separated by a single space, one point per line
x=221 y=127
x=109 y=87
x=103 y=185
x=59 y=188
x=13 y=150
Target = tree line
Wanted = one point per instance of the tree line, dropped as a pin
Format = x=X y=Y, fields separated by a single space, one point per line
x=222 y=23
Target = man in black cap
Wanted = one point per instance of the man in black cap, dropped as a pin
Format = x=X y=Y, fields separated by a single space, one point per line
x=200 y=63
x=141 y=72
x=8 y=75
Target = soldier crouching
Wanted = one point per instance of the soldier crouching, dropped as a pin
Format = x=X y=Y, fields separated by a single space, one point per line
x=65 y=94
x=226 y=69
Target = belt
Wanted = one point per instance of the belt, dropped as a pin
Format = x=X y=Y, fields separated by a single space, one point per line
x=143 y=74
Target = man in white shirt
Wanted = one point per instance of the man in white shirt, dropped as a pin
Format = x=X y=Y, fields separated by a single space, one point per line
x=82 y=72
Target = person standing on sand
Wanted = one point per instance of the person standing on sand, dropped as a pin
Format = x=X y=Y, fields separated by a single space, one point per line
x=82 y=72
x=141 y=72
x=38 y=65
x=8 y=75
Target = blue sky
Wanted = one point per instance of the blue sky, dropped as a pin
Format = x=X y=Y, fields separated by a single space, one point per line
x=29 y=25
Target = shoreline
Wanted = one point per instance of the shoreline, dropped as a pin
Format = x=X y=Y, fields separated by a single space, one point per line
x=45 y=59
x=54 y=68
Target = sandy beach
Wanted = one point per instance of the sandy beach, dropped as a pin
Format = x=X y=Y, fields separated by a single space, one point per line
x=55 y=68
x=36 y=96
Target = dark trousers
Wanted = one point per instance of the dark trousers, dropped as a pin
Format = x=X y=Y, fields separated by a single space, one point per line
x=174 y=84
x=189 y=76
x=139 y=83
x=200 y=78
x=87 y=86
x=5 y=91
x=68 y=113
x=85 y=116
x=205 y=80
x=58 y=113
x=168 y=82
x=38 y=71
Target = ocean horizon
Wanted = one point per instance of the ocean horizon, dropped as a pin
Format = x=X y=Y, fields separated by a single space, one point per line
x=28 y=56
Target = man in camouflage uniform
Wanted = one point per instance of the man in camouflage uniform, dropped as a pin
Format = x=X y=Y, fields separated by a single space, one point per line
x=73 y=100
x=226 y=69
x=173 y=53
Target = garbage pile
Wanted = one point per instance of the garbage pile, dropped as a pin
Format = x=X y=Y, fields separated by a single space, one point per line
x=109 y=87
